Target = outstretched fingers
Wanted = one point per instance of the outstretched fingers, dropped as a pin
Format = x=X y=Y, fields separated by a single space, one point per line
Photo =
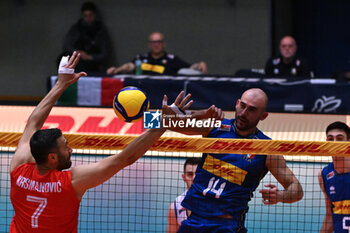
x=184 y=101
x=76 y=60
x=81 y=74
x=179 y=98
x=73 y=60
x=188 y=105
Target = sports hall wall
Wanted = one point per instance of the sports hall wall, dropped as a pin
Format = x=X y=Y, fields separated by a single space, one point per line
x=321 y=29
x=227 y=34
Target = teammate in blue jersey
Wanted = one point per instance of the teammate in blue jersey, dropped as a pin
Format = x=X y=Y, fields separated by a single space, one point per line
x=176 y=212
x=224 y=183
x=334 y=180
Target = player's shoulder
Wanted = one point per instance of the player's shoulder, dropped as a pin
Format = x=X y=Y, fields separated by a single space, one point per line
x=227 y=121
x=23 y=166
x=327 y=169
x=226 y=126
x=261 y=135
x=181 y=197
x=327 y=173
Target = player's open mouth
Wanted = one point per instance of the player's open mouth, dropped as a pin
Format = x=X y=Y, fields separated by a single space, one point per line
x=242 y=120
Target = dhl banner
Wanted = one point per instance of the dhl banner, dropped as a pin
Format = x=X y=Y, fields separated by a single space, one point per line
x=209 y=145
x=84 y=120
x=70 y=120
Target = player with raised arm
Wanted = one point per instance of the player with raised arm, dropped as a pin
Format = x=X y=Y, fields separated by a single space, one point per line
x=334 y=182
x=46 y=197
x=224 y=183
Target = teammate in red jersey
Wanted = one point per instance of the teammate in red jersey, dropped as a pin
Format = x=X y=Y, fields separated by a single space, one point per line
x=46 y=198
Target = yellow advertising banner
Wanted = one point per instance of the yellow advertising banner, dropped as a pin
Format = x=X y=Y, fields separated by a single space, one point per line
x=208 y=145
x=280 y=126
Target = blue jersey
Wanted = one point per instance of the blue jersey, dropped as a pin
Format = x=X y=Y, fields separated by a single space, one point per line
x=224 y=183
x=337 y=188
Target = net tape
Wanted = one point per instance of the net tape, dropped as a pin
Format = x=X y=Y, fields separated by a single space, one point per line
x=208 y=145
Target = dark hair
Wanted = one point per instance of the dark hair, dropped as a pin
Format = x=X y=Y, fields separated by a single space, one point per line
x=341 y=126
x=43 y=142
x=192 y=161
x=89 y=6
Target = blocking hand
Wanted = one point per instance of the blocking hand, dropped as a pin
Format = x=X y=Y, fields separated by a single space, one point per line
x=66 y=73
x=179 y=107
x=211 y=112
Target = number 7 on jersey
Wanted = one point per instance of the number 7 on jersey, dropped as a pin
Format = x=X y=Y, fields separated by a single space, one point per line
x=39 y=210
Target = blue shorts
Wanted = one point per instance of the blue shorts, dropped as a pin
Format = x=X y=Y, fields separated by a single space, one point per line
x=199 y=224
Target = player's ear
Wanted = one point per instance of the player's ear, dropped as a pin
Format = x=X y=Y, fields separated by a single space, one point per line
x=52 y=157
x=237 y=102
x=183 y=176
x=264 y=115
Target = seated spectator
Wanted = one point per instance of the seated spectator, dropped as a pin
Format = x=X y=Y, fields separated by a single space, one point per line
x=287 y=64
x=88 y=37
x=157 y=61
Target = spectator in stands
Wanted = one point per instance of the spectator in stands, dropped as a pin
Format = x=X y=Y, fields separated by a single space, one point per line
x=157 y=61
x=287 y=64
x=90 y=38
x=176 y=212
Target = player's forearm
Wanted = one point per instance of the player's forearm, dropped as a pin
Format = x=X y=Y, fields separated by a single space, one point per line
x=41 y=112
x=139 y=146
x=90 y=175
x=293 y=193
x=326 y=228
x=327 y=225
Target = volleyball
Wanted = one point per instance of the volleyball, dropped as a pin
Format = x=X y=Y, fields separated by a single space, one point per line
x=130 y=103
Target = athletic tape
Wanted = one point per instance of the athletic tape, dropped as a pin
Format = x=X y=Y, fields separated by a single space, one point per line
x=181 y=113
x=208 y=145
x=62 y=69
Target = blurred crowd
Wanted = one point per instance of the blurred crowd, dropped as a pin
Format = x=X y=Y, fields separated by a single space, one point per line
x=90 y=37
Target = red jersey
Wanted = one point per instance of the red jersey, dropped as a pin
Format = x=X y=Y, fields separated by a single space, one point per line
x=45 y=203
